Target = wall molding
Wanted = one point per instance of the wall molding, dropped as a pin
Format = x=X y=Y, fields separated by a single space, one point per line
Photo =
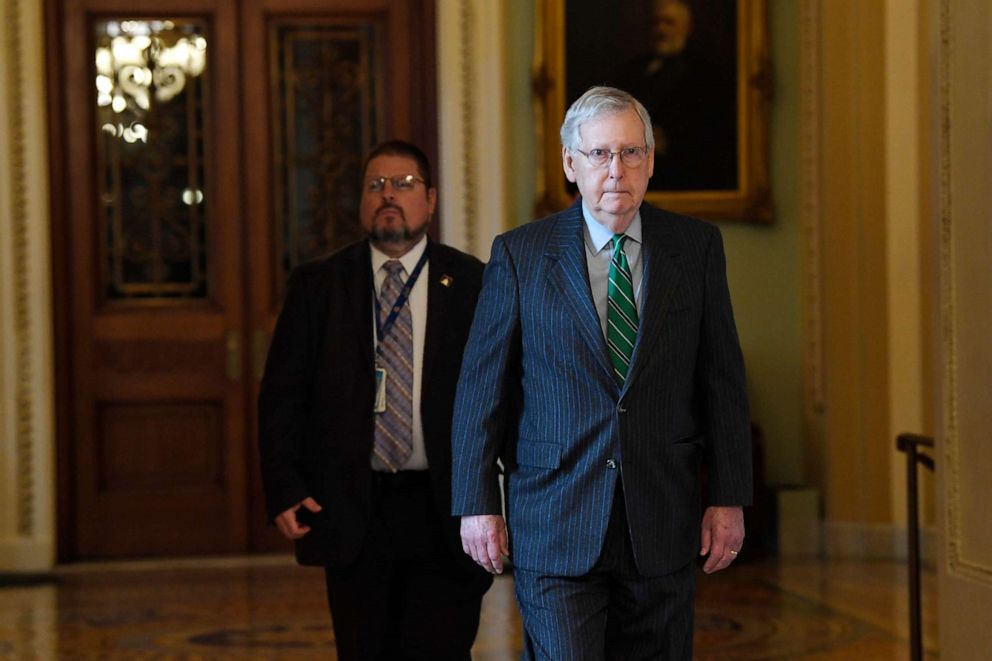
x=810 y=234
x=473 y=192
x=842 y=540
x=801 y=532
x=469 y=202
x=20 y=266
x=971 y=567
x=809 y=150
x=27 y=522
x=874 y=541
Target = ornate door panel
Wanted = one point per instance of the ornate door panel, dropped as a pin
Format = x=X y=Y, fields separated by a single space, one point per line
x=155 y=293
x=338 y=78
x=210 y=146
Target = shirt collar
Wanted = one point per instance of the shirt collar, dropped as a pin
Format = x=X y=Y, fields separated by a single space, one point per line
x=409 y=260
x=601 y=236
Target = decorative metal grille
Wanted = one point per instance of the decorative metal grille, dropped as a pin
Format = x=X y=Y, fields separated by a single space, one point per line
x=151 y=82
x=326 y=108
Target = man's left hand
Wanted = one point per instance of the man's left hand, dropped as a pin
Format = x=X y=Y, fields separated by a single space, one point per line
x=484 y=539
x=722 y=536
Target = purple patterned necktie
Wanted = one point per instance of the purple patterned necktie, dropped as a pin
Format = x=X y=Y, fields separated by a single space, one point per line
x=394 y=427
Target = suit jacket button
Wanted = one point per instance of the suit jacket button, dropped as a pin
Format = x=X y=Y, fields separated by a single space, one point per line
x=611 y=464
x=621 y=408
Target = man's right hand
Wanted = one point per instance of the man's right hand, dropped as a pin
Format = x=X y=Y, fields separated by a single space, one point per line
x=484 y=539
x=287 y=523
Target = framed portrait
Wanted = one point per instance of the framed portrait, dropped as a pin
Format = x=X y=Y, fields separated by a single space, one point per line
x=701 y=69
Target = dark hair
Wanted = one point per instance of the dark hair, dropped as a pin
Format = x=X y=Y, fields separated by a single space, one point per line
x=402 y=148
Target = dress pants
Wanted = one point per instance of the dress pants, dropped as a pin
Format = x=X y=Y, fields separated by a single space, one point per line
x=404 y=597
x=612 y=612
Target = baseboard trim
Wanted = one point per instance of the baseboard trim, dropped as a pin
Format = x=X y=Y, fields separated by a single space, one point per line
x=876 y=541
x=26 y=579
x=26 y=556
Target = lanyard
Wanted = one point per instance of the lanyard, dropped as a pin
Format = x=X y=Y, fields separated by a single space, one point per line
x=382 y=328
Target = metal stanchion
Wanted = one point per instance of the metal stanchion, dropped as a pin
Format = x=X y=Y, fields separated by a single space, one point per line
x=910 y=444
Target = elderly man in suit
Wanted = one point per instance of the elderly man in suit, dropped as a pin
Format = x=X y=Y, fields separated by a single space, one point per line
x=604 y=370
x=355 y=423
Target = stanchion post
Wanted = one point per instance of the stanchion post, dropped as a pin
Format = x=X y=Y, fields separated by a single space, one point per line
x=908 y=443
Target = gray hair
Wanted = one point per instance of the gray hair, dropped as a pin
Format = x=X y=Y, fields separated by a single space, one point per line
x=602 y=101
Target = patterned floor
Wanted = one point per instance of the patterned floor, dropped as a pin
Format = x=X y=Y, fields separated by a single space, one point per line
x=266 y=608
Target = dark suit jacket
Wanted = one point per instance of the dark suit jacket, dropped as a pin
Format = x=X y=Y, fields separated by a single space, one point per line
x=538 y=391
x=315 y=406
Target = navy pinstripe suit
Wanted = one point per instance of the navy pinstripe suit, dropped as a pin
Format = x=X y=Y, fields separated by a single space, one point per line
x=537 y=390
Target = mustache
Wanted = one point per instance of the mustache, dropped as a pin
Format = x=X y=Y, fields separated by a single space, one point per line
x=386 y=205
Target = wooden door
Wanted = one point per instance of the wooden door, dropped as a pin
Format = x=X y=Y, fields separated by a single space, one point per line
x=209 y=146
x=154 y=293
x=339 y=77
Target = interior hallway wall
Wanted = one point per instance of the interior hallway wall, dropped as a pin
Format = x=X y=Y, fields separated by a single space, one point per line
x=874 y=298
x=765 y=273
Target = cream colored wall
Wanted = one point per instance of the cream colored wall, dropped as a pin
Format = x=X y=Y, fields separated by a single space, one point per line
x=474 y=193
x=763 y=267
x=904 y=232
x=872 y=242
x=520 y=102
x=856 y=473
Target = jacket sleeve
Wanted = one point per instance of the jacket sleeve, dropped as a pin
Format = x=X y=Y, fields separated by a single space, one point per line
x=722 y=389
x=283 y=401
x=488 y=388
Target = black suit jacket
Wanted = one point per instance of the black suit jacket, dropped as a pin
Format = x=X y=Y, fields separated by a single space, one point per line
x=316 y=423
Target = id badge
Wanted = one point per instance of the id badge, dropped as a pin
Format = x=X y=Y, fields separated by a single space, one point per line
x=380 y=390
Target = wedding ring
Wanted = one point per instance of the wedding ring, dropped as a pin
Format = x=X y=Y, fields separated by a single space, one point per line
x=733 y=553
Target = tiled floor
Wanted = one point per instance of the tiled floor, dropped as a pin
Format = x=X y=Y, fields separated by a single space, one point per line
x=267 y=608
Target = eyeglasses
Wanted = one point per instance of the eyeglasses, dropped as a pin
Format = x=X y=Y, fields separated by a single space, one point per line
x=631 y=157
x=401 y=183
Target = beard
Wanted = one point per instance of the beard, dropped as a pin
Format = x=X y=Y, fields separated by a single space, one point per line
x=392 y=235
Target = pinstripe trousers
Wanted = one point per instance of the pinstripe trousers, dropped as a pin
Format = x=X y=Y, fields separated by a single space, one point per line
x=610 y=613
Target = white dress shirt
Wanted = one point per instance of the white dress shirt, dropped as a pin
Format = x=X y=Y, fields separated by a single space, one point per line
x=418 y=313
x=599 y=251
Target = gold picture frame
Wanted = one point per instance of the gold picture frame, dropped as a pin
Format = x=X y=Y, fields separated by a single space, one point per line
x=580 y=43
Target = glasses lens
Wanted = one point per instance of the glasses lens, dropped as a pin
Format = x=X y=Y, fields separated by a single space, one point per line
x=632 y=156
x=404 y=183
x=376 y=185
x=598 y=157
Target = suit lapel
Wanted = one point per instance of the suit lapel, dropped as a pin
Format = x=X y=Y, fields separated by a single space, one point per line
x=437 y=309
x=660 y=280
x=569 y=275
x=360 y=297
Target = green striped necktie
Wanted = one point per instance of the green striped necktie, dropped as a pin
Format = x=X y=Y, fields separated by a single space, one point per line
x=621 y=311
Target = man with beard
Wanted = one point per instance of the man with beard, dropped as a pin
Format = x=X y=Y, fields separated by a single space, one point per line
x=355 y=423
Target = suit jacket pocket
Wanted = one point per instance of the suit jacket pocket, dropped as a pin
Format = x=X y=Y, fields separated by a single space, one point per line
x=538 y=455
